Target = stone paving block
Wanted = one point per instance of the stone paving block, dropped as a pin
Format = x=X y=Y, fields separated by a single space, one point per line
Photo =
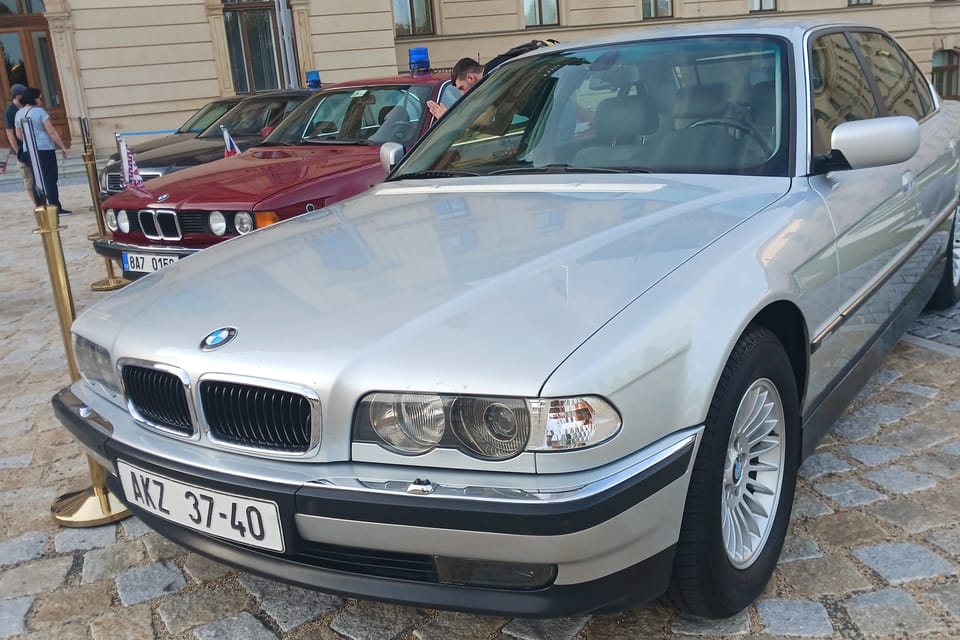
x=76 y=630
x=795 y=618
x=917 y=436
x=160 y=548
x=904 y=562
x=290 y=606
x=738 y=625
x=829 y=575
x=16 y=462
x=368 y=620
x=867 y=420
x=131 y=623
x=109 y=562
x=953 y=449
x=797 y=547
x=134 y=527
x=845 y=529
x=820 y=464
x=806 y=505
x=70 y=539
x=545 y=629
x=243 y=625
x=148 y=582
x=948 y=596
x=202 y=569
x=651 y=621
x=906 y=514
x=35 y=577
x=948 y=540
x=953 y=405
x=889 y=612
x=184 y=611
x=13 y=613
x=849 y=493
x=938 y=463
x=921 y=390
x=450 y=624
x=872 y=455
x=29 y=546
x=898 y=480
x=58 y=607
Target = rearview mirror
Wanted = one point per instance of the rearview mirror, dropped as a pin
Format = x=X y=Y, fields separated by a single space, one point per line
x=390 y=155
x=875 y=142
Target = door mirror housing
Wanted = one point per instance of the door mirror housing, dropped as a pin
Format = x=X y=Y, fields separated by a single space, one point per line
x=390 y=155
x=876 y=142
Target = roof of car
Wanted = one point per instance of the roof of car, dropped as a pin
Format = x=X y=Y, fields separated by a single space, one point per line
x=281 y=93
x=428 y=78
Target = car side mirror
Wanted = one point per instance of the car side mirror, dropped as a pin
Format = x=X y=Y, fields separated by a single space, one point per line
x=875 y=142
x=267 y=130
x=390 y=155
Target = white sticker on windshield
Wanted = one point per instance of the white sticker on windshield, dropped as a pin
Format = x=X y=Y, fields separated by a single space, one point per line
x=358 y=93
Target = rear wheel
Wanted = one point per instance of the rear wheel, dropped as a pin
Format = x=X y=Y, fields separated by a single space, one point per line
x=948 y=291
x=741 y=491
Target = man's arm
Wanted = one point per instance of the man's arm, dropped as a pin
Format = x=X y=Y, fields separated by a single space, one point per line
x=436 y=109
x=12 y=139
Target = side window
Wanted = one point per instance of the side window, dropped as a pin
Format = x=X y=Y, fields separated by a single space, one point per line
x=894 y=80
x=923 y=87
x=449 y=94
x=839 y=88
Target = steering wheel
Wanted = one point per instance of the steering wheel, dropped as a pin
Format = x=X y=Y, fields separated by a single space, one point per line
x=401 y=130
x=739 y=125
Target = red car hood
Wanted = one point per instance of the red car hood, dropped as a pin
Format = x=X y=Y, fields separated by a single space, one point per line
x=242 y=181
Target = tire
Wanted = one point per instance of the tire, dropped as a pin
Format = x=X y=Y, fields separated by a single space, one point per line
x=717 y=569
x=948 y=291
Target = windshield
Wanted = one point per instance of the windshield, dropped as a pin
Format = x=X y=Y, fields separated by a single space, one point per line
x=360 y=115
x=206 y=116
x=253 y=114
x=690 y=105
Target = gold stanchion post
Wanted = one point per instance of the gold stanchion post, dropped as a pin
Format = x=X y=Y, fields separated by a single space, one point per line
x=95 y=505
x=112 y=281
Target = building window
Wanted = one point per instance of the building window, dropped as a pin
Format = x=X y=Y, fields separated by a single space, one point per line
x=763 y=5
x=657 y=8
x=855 y=3
x=413 y=17
x=253 y=41
x=21 y=6
x=946 y=68
x=541 y=13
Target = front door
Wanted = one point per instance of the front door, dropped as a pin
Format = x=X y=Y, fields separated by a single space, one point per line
x=27 y=55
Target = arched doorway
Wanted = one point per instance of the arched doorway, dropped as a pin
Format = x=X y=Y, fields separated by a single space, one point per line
x=27 y=55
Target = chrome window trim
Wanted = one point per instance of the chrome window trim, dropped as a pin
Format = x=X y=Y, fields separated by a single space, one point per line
x=143 y=420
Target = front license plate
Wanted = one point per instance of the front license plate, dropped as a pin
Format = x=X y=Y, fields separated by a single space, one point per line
x=247 y=520
x=146 y=263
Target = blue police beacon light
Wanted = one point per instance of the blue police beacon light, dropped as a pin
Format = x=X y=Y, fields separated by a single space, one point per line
x=313 y=79
x=419 y=61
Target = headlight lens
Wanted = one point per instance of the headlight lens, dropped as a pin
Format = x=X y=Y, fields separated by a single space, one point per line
x=407 y=423
x=243 y=221
x=110 y=217
x=218 y=224
x=94 y=364
x=123 y=221
x=492 y=428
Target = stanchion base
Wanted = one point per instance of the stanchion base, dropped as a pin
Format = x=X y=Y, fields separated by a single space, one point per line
x=84 y=509
x=94 y=236
x=109 y=284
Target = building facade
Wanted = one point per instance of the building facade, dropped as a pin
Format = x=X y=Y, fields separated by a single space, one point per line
x=137 y=66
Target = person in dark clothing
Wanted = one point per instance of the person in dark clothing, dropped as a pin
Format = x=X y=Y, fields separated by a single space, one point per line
x=16 y=147
x=47 y=139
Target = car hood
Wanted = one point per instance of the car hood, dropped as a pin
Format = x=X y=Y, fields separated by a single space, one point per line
x=186 y=153
x=240 y=182
x=447 y=285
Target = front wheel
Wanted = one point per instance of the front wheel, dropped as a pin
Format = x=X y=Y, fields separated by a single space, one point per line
x=741 y=490
x=948 y=291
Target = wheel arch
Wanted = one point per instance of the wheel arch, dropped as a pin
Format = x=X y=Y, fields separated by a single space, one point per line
x=786 y=320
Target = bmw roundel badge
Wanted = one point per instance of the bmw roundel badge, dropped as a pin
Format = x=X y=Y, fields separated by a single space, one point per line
x=218 y=338
x=163 y=197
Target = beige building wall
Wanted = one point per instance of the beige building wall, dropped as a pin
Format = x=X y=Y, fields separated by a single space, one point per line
x=148 y=64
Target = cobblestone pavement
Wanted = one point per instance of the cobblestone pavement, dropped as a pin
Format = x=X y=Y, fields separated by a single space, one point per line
x=873 y=550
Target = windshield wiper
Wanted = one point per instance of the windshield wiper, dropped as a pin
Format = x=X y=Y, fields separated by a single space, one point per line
x=344 y=141
x=566 y=168
x=426 y=175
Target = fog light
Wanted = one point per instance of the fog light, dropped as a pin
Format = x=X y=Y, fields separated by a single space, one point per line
x=123 y=221
x=499 y=575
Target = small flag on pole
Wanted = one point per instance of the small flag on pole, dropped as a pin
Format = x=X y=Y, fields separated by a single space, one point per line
x=230 y=147
x=130 y=172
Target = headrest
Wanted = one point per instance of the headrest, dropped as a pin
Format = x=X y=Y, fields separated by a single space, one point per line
x=702 y=101
x=384 y=112
x=617 y=76
x=763 y=103
x=627 y=117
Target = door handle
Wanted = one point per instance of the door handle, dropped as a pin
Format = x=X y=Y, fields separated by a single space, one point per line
x=906 y=182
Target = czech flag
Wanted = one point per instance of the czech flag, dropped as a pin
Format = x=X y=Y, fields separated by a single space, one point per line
x=129 y=171
x=230 y=147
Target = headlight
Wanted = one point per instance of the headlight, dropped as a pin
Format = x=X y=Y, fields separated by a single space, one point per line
x=94 y=364
x=407 y=423
x=243 y=222
x=123 y=221
x=218 y=224
x=492 y=428
x=110 y=217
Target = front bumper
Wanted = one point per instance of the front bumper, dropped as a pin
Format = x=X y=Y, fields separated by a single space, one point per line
x=612 y=547
x=115 y=250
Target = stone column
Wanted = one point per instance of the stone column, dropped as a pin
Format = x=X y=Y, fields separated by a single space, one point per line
x=60 y=25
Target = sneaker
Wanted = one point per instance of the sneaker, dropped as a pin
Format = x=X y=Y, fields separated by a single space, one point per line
x=64 y=212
